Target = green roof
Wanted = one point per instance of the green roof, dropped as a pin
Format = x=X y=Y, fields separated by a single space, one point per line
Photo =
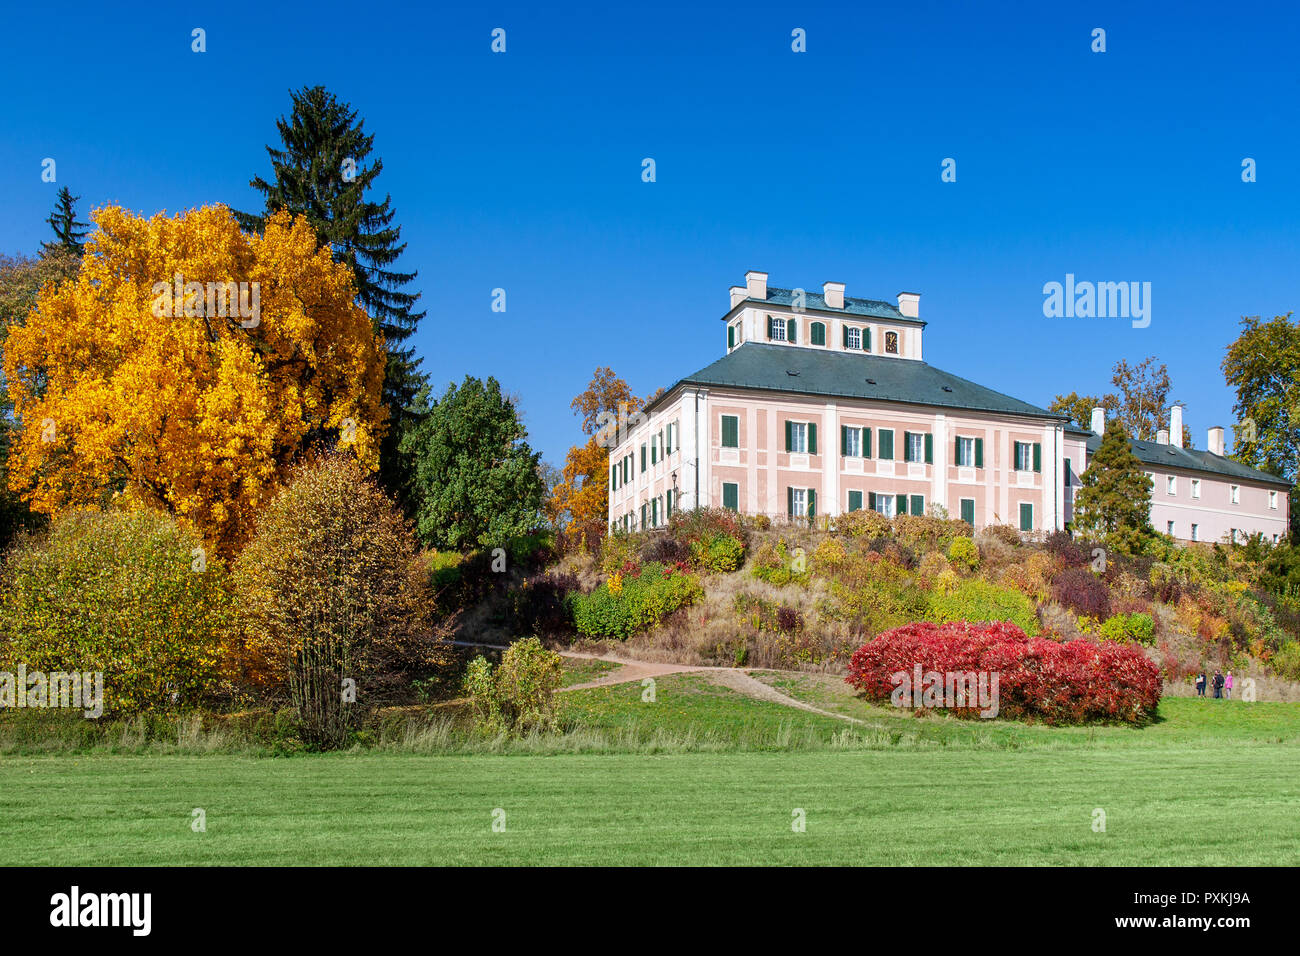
x=1191 y=459
x=816 y=301
x=809 y=371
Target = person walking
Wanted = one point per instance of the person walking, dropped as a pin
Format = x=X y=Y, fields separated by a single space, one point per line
x=1227 y=686
x=1218 y=685
x=1200 y=684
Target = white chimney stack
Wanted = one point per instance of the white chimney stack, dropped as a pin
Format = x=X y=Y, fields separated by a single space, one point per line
x=1215 y=442
x=1099 y=421
x=1162 y=437
x=756 y=285
x=833 y=294
x=738 y=294
x=909 y=303
x=1176 y=426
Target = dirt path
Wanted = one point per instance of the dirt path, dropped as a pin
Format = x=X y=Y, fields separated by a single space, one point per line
x=734 y=678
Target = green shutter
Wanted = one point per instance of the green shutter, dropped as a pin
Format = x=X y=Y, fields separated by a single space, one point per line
x=613 y=479
x=866 y=340
x=789 y=502
x=731 y=495
x=918 y=504
x=907 y=446
x=812 y=503
x=792 y=330
x=1069 y=474
x=730 y=431
x=818 y=333
x=643 y=456
x=887 y=444
x=844 y=438
x=1038 y=456
x=900 y=505
x=866 y=443
x=731 y=336
x=968 y=511
x=956 y=451
x=871 y=501
x=855 y=501
x=812 y=438
x=929 y=448
x=845 y=330
x=789 y=435
x=668 y=504
x=979 y=453
x=769 y=328
x=1026 y=516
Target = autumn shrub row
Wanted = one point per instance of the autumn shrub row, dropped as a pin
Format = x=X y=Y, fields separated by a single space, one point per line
x=622 y=605
x=1071 y=682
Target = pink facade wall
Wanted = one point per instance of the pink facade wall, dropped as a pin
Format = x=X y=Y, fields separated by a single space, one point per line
x=1213 y=512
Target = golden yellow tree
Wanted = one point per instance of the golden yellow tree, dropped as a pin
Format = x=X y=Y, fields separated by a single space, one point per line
x=605 y=405
x=186 y=365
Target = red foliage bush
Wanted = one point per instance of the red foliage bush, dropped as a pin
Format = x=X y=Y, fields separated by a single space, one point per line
x=1059 y=683
x=1082 y=592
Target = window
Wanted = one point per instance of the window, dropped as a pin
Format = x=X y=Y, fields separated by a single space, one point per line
x=1236 y=494
x=801 y=437
x=1196 y=536
x=776 y=328
x=1196 y=487
x=851 y=442
x=668 y=504
x=968 y=511
x=918 y=447
x=798 y=437
x=643 y=456
x=1169 y=528
x=1022 y=455
x=855 y=501
x=918 y=504
x=887 y=444
x=1272 y=500
x=731 y=336
x=883 y=504
x=799 y=502
x=1171 y=485
x=966 y=452
x=891 y=343
x=730 y=431
x=817 y=334
x=852 y=338
x=731 y=495
x=654 y=449
x=613 y=478
x=1026 y=516
x=654 y=513
x=671 y=432
x=644 y=509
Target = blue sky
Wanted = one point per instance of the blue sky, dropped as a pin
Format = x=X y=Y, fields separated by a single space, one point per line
x=523 y=170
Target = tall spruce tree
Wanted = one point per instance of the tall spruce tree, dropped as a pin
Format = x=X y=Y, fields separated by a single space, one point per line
x=324 y=172
x=1114 y=503
x=69 y=233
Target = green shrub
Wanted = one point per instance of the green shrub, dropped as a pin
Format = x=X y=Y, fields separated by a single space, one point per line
x=125 y=593
x=623 y=606
x=775 y=564
x=1286 y=662
x=964 y=553
x=975 y=599
x=1136 y=628
x=519 y=696
x=720 y=554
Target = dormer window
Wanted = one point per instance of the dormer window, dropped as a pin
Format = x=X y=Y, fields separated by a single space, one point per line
x=817 y=333
x=891 y=343
x=853 y=338
x=776 y=328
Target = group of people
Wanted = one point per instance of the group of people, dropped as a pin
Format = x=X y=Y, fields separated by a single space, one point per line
x=1222 y=685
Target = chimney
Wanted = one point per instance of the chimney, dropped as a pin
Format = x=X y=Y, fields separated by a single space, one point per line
x=909 y=304
x=833 y=293
x=738 y=294
x=756 y=285
x=1099 y=421
x=1215 y=442
x=1176 y=426
x=1162 y=437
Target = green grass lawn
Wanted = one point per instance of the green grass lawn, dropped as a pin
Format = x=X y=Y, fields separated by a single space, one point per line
x=1210 y=783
